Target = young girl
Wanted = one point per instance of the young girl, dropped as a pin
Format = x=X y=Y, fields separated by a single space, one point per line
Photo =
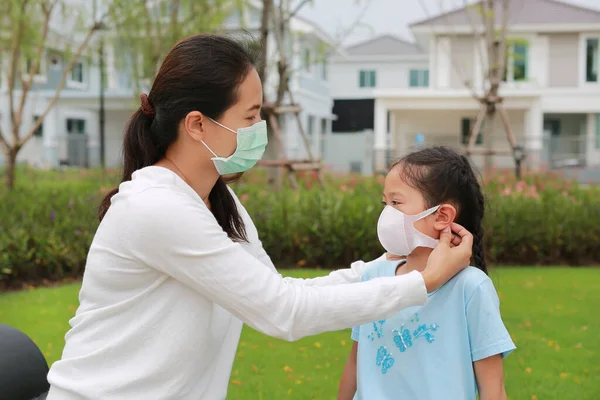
x=452 y=347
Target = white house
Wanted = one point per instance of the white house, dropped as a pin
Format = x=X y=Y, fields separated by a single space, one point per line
x=551 y=91
x=70 y=132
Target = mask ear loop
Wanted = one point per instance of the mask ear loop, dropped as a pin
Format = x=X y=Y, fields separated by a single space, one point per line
x=426 y=213
x=209 y=149
x=222 y=126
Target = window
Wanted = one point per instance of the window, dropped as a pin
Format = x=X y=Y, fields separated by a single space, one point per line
x=466 y=126
x=388 y=121
x=419 y=78
x=592 y=62
x=76 y=126
x=324 y=128
x=367 y=79
x=77 y=73
x=39 y=132
x=517 y=62
x=306 y=60
x=310 y=125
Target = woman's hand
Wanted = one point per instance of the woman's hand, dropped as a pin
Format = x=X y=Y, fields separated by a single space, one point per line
x=448 y=258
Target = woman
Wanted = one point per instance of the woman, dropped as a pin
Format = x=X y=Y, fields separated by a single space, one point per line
x=176 y=266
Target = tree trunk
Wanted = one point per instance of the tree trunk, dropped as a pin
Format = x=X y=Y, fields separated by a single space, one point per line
x=274 y=177
x=488 y=137
x=10 y=169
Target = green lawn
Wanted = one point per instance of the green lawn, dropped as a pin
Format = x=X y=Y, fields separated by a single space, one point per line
x=551 y=313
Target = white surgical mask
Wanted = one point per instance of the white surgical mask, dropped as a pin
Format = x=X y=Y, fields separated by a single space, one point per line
x=397 y=233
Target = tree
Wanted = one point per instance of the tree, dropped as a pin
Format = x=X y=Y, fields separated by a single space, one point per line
x=489 y=19
x=149 y=28
x=28 y=32
x=275 y=21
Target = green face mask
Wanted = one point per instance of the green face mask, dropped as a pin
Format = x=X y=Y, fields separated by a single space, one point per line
x=251 y=144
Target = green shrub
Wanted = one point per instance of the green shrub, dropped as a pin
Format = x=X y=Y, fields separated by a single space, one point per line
x=543 y=219
x=48 y=221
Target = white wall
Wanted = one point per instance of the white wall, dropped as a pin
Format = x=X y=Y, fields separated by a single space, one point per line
x=358 y=148
x=115 y=126
x=316 y=106
x=344 y=76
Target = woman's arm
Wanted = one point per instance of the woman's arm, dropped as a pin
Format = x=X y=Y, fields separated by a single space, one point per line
x=348 y=382
x=338 y=277
x=177 y=235
x=490 y=378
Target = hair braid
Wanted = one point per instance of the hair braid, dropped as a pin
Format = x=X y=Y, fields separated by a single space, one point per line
x=478 y=215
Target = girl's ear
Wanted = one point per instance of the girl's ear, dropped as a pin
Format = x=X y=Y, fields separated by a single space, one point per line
x=444 y=217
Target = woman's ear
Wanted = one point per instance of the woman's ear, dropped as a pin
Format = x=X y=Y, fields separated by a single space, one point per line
x=444 y=217
x=194 y=125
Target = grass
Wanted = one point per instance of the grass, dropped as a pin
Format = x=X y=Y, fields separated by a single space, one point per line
x=551 y=313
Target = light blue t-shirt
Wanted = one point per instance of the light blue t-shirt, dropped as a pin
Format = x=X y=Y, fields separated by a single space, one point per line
x=427 y=352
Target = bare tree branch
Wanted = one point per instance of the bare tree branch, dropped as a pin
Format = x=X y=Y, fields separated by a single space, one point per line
x=355 y=24
x=14 y=68
x=26 y=84
x=296 y=10
x=506 y=122
x=477 y=39
x=279 y=30
x=62 y=82
x=503 y=35
x=474 y=132
x=264 y=36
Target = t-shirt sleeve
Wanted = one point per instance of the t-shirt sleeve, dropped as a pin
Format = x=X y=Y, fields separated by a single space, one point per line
x=177 y=235
x=487 y=334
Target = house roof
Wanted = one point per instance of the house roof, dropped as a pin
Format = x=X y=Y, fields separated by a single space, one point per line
x=520 y=12
x=383 y=45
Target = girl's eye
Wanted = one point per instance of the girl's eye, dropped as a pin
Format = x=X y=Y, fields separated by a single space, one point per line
x=395 y=203
x=384 y=203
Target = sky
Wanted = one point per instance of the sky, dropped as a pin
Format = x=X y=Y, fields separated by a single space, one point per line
x=383 y=16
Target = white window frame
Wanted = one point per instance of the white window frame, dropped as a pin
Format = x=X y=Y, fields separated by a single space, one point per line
x=582 y=59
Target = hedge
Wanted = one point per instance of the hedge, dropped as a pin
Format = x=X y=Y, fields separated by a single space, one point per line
x=48 y=222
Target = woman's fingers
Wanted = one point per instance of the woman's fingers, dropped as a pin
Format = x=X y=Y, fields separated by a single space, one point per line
x=446 y=236
x=455 y=241
x=466 y=238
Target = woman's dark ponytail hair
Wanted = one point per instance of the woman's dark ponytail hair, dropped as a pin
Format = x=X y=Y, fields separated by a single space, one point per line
x=201 y=73
x=444 y=176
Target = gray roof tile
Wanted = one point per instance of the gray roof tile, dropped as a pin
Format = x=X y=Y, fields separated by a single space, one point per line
x=521 y=12
x=383 y=45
